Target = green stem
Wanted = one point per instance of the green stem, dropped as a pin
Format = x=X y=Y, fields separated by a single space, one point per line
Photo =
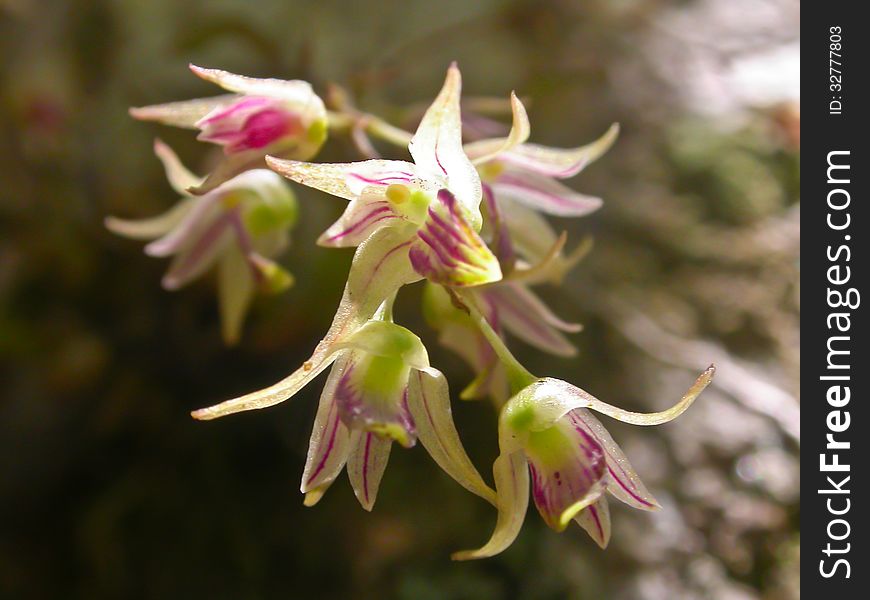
x=518 y=376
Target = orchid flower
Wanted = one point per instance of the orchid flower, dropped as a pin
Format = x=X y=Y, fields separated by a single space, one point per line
x=547 y=429
x=239 y=226
x=436 y=198
x=381 y=389
x=260 y=117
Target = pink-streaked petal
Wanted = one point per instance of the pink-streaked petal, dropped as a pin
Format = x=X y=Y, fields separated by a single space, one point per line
x=568 y=470
x=361 y=218
x=595 y=519
x=486 y=150
x=429 y=402
x=511 y=473
x=179 y=177
x=203 y=211
x=185 y=113
x=380 y=267
x=526 y=316
x=347 y=180
x=437 y=148
x=330 y=439
x=560 y=162
x=296 y=91
x=365 y=465
x=449 y=251
x=193 y=261
x=623 y=482
x=155 y=227
x=544 y=194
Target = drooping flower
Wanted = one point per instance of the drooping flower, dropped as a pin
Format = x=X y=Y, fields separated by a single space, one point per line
x=436 y=198
x=547 y=429
x=262 y=116
x=238 y=226
x=382 y=389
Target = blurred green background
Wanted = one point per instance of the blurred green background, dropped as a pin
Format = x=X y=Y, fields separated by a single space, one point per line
x=109 y=489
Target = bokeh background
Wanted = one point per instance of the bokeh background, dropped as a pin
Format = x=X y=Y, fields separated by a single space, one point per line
x=108 y=489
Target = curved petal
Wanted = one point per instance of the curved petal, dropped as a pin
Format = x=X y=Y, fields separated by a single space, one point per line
x=544 y=194
x=512 y=488
x=347 y=180
x=486 y=150
x=184 y=113
x=568 y=472
x=429 y=402
x=380 y=267
x=179 y=177
x=595 y=519
x=526 y=316
x=296 y=91
x=656 y=418
x=330 y=441
x=623 y=481
x=449 y=251
x=437 y=147
x=235 y=284
x=155 y=227
x=194 y=260
x=360 y=219
x=365 y=466
x=202 y=212
x=560 y=162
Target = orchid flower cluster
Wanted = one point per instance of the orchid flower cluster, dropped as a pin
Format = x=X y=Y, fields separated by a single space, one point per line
x=466 y=217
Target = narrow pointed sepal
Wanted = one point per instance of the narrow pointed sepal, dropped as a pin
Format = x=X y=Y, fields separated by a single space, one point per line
x=330 y=441
x=365 y=466
x=437 y=148
x=559 y=162
x=511 y=475
x=185 y=113
x=429 y=403
x=595 y=519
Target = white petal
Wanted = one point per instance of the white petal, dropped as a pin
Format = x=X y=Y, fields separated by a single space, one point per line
x=544 y=194
x=360 y=219
x=235 y=292
x=560 y=162
x=429 y=402
x=485 y=150
x=348 y=180
x=512 y=487
x=149 y=229
x=437 y=147
x=184 y=113
x=179 y=177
